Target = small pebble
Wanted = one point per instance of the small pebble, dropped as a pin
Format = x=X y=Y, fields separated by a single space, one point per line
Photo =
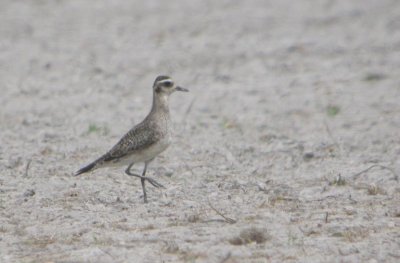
x=29 y=192
x=193 y=218
x=171 y=247
x=169 y=174
x=308 y=156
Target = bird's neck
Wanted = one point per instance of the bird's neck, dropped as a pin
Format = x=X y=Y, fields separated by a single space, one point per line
x=160 y=104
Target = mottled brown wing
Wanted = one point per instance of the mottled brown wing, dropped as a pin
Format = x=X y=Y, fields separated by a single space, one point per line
x=140 y=137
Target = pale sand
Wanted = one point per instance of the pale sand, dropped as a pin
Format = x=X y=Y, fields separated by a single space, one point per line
x=285 y=97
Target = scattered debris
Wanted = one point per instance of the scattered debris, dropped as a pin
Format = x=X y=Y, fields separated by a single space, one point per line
x=348 y=250
x=373 y=166
x=193 y=218
x=374 y=76
x=27 y=168
x=332 y=110
x=227 y=219
x=335 y=143
x=339 y=181
x=250 y=235
x=171 y=247
x=308 y=156
x=169 y=173
x=228 y=259
x=94 y=128
x=188 y=110
x=375 y=190
x=29 y=193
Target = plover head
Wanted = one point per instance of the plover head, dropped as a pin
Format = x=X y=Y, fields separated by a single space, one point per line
x=165 y=85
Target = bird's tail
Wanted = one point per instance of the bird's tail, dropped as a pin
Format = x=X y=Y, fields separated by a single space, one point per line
x=86 y=169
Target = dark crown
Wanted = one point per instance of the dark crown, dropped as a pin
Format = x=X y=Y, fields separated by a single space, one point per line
x=159 y=78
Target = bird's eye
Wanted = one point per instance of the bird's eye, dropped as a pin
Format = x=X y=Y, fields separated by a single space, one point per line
x=168 y=84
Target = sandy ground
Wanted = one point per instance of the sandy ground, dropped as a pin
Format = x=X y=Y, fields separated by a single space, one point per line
x=290 y=103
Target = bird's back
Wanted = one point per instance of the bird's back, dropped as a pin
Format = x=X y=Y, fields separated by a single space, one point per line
x=142 y=143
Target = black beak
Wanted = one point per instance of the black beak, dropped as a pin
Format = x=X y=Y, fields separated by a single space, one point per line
x=181 y=89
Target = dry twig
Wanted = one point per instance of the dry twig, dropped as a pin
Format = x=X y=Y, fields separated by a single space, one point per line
x=188 y=110
x=373 y=166
x=328 y=130
x=226 y=258
x=227 y=219
x=27 y=168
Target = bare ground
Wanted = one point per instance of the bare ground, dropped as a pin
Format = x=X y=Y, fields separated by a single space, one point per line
x=291 y=102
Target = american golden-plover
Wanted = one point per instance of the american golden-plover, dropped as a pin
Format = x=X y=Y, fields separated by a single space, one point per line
x=144 y=141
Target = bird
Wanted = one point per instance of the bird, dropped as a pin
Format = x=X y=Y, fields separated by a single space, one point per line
x=146 y=140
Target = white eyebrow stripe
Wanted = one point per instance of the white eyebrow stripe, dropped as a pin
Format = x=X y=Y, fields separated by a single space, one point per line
x=165 y=80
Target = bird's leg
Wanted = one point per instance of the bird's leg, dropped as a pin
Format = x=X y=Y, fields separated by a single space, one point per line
x=142 y=181
x=143 y=178
x=149 y=179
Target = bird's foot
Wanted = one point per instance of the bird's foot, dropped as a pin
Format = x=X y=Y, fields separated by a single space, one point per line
x=149 y=179
x=153 y=182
